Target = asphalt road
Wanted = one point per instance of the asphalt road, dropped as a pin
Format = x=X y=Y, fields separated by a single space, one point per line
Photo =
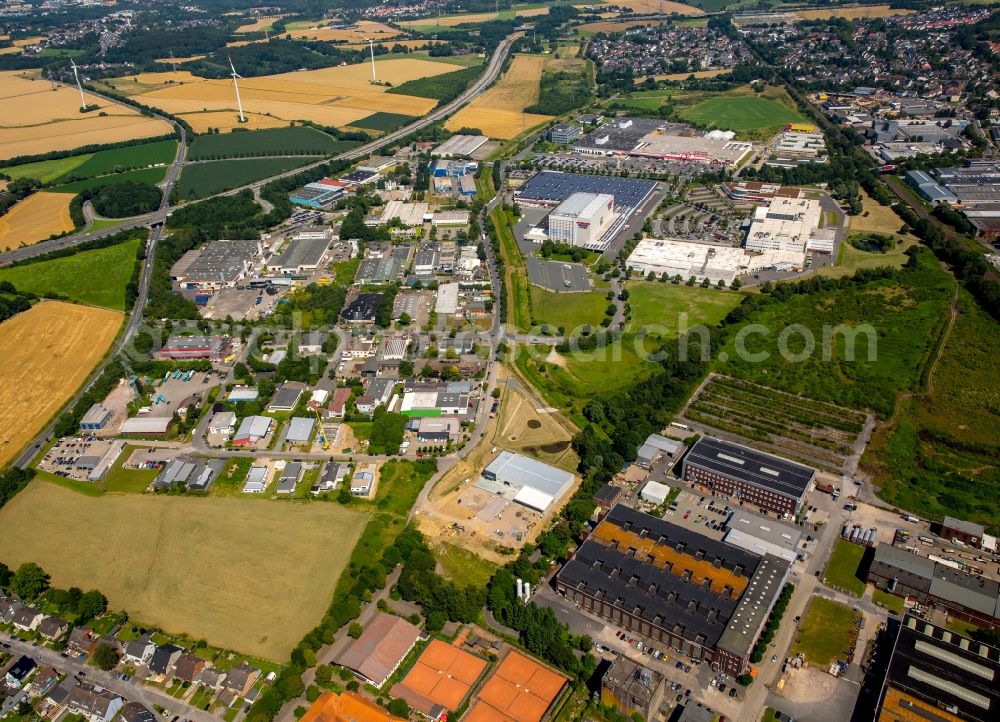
x=131 y=690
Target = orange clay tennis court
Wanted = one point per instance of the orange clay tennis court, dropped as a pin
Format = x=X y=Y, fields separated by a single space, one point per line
x=520 y=690
x=442 y=675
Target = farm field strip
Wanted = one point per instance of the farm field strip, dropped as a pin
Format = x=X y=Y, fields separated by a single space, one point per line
x=49 y=351
x=249 y=576
x=35 y=219
x=499 y=111
x=852 y=13
x=806 y=430
x=453 y=20
x=39 y=118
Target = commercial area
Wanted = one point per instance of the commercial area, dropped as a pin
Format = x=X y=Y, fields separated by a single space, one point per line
x=652 y=138
x=706 y=598
x=525 y=481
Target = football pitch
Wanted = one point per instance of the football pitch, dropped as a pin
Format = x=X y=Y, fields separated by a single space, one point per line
x=243 y=575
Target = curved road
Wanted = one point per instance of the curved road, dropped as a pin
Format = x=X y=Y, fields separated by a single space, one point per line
x=157 y=218
x=484 y=81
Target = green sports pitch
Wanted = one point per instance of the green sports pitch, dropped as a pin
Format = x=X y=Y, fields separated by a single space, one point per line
x=741 y=113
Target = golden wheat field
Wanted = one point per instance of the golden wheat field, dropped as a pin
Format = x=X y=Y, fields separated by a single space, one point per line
x=452 y=20
x=188 y=59
x=852 y=13
x=10 y=50
x=498 y=111
x=259 y=24
x=653 y=7
x=226 y=120
x=366 y=28
x=330 y=96
x=34 y=219
x=49 y=351
x=25 y=42
x=37 y=118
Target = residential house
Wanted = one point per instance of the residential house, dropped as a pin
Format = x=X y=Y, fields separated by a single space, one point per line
x=289 y=478
x=27 y=619
x=9 y=603
x=188 y=667
x=240 y=679
x=135 y=712
x=95 y=703
x=45 y=679
x=52 y=628
x=57 y=696
x=19 y=671
x=338 y=403
x=211 y=677
x=164 y=659
x=81 y=640
x=140 y=651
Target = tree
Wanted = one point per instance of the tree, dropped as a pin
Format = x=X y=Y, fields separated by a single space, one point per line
x=355 y=630
x=5 y=575
x=400 y=708
x=105 y=657
x=324 y=673
x=344 y=495
x=29 y=581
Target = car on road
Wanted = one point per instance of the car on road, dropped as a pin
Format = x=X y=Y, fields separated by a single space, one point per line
x=774 y=658
x=679 y=665
x=733 y=692
x=687 y=667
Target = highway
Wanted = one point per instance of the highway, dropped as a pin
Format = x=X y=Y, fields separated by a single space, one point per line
x=160 y=215
x=156 y=219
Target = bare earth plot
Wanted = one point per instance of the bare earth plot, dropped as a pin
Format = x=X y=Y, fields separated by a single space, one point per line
x=812 y=432
x=34 y=219
x=329 y=96
x=35 y=118
x=498 y=111
x=49 y=351
x=249 y=576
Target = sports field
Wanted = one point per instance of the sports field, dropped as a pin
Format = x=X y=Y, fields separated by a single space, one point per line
x=49 y=351
x=741 y=113
x=329 y=96
x=203 y=179
x=97 y=277
x=658 y=307
x=498 y=111
x=34 y=219
x=243 y=575
x=39 y=119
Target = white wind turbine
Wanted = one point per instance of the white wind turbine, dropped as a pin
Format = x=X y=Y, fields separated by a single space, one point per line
x=371 y=46
x=76 y=74
x=239 y=103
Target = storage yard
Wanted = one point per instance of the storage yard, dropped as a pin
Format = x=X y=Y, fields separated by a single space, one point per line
x=498 y=111
x=49 y=351
x=34 y=219
x=329 y=96
x=210 y=567
x=40 y=118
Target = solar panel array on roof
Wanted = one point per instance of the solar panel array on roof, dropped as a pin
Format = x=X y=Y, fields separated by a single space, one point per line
x=553 y=187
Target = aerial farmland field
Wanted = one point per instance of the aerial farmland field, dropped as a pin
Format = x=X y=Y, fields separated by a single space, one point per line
x=362 y=29
x=203 y=179
x=89 y=165
x=329 y=96
x=279 y=141
x=498 y=111
x=34 y=219
x=43 y=119
x=243 y=575
x=49 y=351
x=448 y=21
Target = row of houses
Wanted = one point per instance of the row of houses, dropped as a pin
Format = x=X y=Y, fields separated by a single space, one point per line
x=26 y=618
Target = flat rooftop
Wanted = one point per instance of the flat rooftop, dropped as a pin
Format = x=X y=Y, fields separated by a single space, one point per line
x=221 y=261
x=301 y=252
x=553 y=187
x=751 y=466
x=460 y=145
x=700 y=149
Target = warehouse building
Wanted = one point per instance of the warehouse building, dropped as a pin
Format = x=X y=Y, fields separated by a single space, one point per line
x=687 y=259
x=937 y=584
x=380 y=649
x=693 y=149
x=409 y=214
x=655 y=493
x=526 y=481
x=967 y=533
x=146 y=426
x=582 y=219
x=219 y=264
x=303 y=254
x=735 y=471
x=320 y=194
x=618 y=136
x=214 y=348
x=789 y=227
x=362 y=309
x=96 y=418
x=674 y=587
x=252 y=430
x=458 y=146
x=630 y=688
x=655 y=447
x=759 y=535
x=300 y=430
x=939 y=676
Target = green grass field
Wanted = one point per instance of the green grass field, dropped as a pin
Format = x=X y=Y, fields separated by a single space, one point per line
x=463 y=566
x=570 y=311
x=203 y=179
x=943 y=455
x=889 y=601
x=151 y=176
x=825 y=633
x=399 y=482
x=439 y=86
x=658 y=307
x=295 y=140
x=385 y=122
x=741 y=113
x=103 y=162
x=896 y=323
x=96 y=277
x=842 y=569
x=248 y=576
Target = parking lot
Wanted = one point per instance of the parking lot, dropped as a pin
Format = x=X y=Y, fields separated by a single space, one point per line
x=618 y=164
x=76 y=458
x=557 y=276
